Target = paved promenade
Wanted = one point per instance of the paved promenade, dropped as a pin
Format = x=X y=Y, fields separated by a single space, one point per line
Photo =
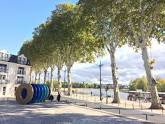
x=56 y=113
x=126 y=108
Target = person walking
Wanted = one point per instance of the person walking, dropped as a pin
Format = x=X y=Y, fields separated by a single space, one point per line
x=58 y=97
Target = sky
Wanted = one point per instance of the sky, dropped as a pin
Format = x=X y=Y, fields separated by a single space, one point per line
x=130 y=66
x=19 y=18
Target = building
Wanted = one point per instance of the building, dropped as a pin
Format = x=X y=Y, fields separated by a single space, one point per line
x=14 y=70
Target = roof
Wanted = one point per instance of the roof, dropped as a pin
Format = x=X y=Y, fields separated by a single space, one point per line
x=14 y=59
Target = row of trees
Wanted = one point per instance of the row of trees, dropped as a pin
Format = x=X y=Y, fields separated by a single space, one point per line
x=76 y=33
x=141 y=83
x=61 y=41
x=74 y=85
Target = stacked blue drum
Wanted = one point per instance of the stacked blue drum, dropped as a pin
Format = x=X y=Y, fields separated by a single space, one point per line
x=32 y=93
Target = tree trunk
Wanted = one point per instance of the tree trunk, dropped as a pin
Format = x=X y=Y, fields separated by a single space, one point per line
x=30 y=80
x=69 y=80
x=59 y=79
x=155 y=101
x=116 y=98
x=39 y=79
x=51 y=78
x=45 y=74
x=35 y=80
x=106 y=97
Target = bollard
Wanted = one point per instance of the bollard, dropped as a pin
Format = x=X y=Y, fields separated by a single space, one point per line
x=139 y=103
x=106 y=100
x=119 y=111
x=100 y=107
x=141 y=107
x=125 y=104
x=146 y=116
x=133 y=106
x=162 y=110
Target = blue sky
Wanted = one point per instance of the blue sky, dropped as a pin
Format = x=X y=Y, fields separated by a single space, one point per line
x=18 y=18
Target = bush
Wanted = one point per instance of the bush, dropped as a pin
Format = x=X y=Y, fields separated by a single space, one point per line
x=139 y=83
x=161 y=85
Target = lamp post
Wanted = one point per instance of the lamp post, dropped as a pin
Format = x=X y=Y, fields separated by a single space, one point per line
x=64 y=78
x=100 y=65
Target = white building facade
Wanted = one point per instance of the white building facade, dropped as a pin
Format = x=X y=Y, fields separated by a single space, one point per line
x=14 y=70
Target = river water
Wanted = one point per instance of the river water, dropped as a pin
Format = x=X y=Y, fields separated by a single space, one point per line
x=96 y=92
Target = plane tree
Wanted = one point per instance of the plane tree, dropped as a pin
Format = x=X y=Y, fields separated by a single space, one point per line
x=104 y=14
x=144 y=21
x=77 y=43
x=137 y=22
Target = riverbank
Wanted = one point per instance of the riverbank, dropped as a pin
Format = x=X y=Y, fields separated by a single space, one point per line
x=136 y=109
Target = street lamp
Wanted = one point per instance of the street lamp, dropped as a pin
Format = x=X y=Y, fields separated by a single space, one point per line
x=100 y=65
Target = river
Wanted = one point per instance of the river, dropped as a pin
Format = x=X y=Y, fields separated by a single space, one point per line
x=96 y=92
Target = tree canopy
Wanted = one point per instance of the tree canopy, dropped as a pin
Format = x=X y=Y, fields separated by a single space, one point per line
x=61 y=40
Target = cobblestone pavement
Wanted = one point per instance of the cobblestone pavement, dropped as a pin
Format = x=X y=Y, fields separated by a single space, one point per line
x=56 y=113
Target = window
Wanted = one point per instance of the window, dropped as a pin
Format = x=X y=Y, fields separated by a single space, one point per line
x=20 y=79
x=22 y=60
x=19 y=59
x=21 y=70
x=3 y=68
x=2 y=77
x=4 y=56
x=4 y=90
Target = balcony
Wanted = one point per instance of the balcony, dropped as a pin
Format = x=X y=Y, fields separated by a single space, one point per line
x=23 y=62
x=3 y=70
x=4 y=81
x=20 y=82
x=21 y=72
x=4 y=58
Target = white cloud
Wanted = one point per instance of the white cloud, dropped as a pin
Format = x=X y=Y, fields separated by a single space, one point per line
x=129 y=63
x=4 y=51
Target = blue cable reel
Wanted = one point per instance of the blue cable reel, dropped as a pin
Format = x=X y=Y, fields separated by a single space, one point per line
x=32 y=93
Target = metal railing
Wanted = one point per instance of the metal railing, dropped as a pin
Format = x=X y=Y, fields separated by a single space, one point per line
x=4 y=70
x=4 y=58
x=20 y=82
x=22 y=62
x=4 y=81
x=21 y=72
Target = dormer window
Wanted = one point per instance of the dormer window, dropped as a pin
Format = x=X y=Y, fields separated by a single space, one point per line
x=4 y=56
x=22 y=60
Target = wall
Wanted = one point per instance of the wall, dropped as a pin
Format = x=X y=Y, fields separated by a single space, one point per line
x=12 y=77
